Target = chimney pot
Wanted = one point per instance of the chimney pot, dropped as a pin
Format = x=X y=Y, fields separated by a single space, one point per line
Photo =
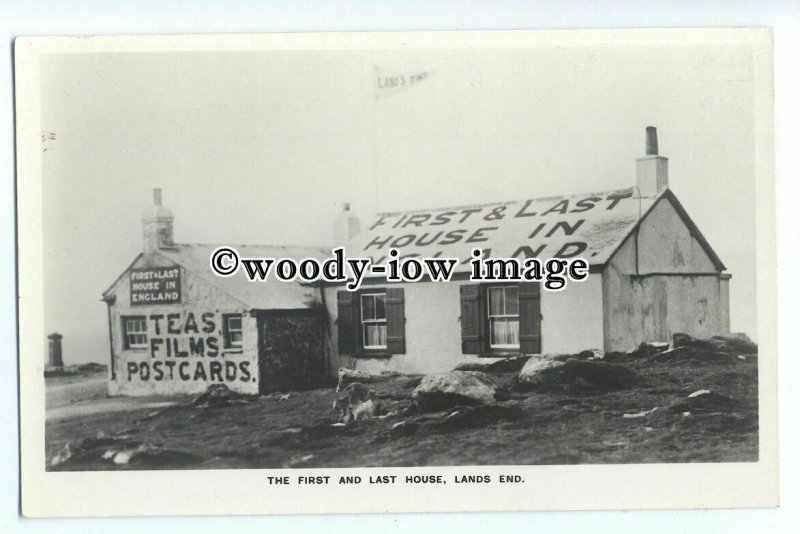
x=651 y=146
x=157 y=225
x=346 y=226
x=651 y=169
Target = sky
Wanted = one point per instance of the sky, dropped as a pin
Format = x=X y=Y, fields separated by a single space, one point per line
x=264 y=147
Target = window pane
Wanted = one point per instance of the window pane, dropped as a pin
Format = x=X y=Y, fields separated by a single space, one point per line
x=136 y=340
x=495 y=301
x=380 y=306
x=498 y=330
x=375 y=335
x=233 y=331
x=512 y=300
x=135 y=332
x=504 y=332
x=513 y=331
x=367 y=307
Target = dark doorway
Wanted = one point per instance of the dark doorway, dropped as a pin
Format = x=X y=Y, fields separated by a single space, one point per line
x=291 y=350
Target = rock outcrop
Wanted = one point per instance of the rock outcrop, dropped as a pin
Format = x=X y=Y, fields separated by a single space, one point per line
x=217 y=395
x=531 y=372
x=456 y=388
x=120 y=452
x=349 y=376
x=577 y=377
x=736 y=343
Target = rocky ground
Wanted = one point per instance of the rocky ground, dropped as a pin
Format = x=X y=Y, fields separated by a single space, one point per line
x=690 y=401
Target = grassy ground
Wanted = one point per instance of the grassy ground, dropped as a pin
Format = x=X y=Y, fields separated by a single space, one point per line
x=528 y=428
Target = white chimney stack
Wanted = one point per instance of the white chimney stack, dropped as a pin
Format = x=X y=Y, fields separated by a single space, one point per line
x=346 y=226
x=651 y=169
x=157 y=225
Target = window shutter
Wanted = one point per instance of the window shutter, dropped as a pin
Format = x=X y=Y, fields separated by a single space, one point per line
x=530 y=318
x=472 y=319
x=347 y=321
x=395 y=321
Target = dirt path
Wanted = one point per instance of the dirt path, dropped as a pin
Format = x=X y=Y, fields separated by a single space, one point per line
x=81 y=396
x=62 y=393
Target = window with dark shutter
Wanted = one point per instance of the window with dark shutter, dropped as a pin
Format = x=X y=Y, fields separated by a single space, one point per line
x=500 y=318
x=530 y=318
x=346 y=322
x=372 y=322
x=395 y=321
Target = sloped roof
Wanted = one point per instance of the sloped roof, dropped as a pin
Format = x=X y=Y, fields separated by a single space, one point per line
x=590 y=225
x=271 y=294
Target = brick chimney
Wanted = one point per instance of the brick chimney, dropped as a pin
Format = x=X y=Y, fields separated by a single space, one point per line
x=651 y=169
x=346 y=226
x=157 y=225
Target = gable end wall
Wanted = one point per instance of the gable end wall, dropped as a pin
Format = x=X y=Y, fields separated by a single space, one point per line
x=673 y=287
x=167 y=374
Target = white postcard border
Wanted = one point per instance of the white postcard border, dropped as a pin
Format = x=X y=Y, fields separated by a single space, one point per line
x=219 y=492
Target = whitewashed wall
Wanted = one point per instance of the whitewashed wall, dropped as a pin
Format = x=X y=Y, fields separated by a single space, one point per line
x=238 y=369
x=573 y=321
x=652 y=308
x=433 y=332
x=667 y=245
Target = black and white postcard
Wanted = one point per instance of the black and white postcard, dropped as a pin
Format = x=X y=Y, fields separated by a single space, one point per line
x=396 y=272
